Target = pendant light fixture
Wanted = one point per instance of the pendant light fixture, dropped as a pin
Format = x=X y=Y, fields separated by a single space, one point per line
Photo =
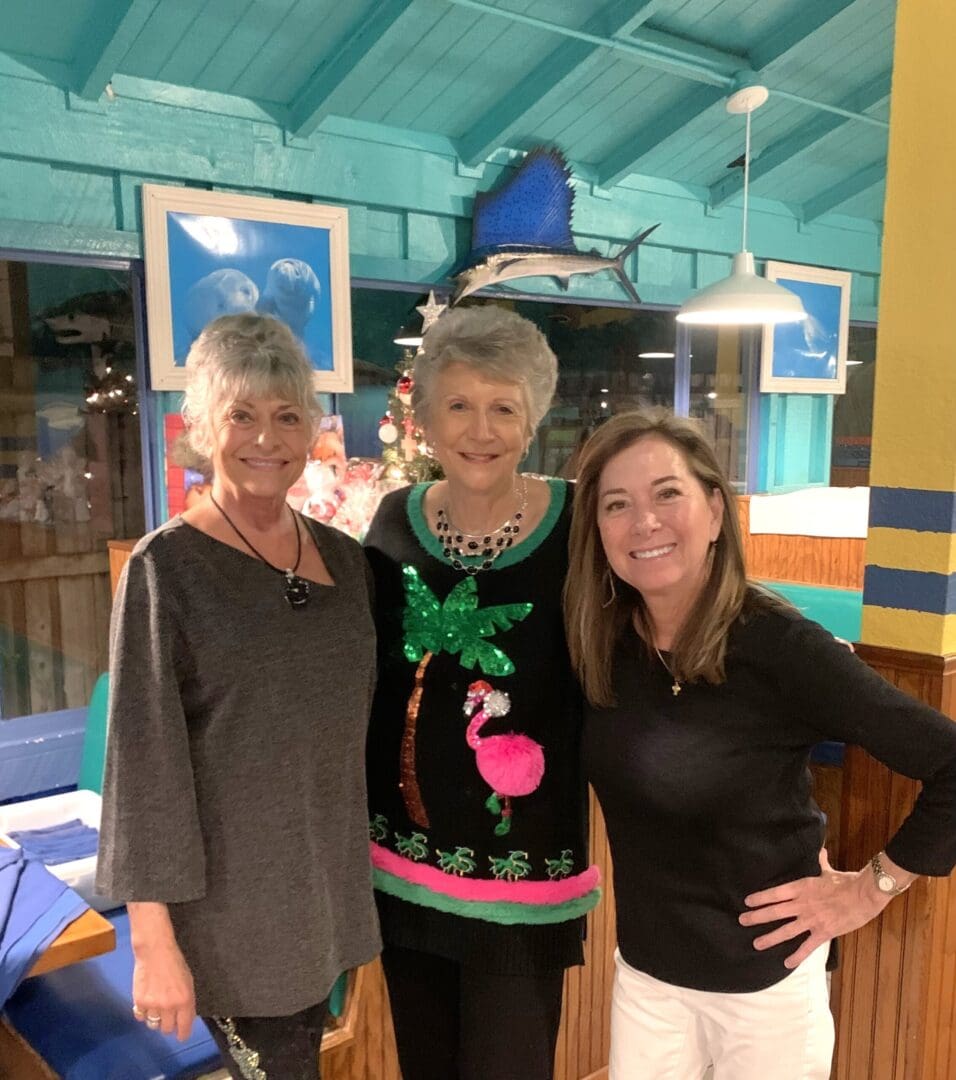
x=743 y=298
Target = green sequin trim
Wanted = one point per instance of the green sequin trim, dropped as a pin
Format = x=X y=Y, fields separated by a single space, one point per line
x=430 y=542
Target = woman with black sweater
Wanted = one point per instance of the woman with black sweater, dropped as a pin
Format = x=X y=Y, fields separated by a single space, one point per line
x=706 y=695
x=477 y=800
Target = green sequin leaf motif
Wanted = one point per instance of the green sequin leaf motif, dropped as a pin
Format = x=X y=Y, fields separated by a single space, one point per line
x=458 y=625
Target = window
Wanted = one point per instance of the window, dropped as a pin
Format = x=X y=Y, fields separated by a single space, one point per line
x=70 y=474
x=610 y=359
x=722 y=363
x=853 y=412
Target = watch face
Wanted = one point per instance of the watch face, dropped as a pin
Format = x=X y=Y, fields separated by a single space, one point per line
x=885 y=883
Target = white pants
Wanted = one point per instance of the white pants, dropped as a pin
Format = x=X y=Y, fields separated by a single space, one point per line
x=664 y=1032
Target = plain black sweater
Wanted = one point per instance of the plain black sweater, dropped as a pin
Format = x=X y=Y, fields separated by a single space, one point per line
x=708 y=795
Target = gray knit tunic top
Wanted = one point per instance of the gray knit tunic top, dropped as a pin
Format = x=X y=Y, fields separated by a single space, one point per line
x=234 y=789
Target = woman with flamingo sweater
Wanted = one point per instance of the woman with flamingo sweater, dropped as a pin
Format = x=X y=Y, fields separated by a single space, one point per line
x=478 y=810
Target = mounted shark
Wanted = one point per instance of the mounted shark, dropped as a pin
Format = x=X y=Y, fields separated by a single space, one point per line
x=524 y=230
x=102 y=319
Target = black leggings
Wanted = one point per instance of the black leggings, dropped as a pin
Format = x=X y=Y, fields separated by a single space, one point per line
x=453 y=1022
x=271 y=1047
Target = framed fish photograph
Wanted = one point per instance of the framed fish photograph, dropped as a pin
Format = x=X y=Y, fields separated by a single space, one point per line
x=212 y=253
x=808 y=357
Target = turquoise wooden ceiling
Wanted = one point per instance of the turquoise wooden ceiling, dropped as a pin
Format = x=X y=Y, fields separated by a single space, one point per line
x=635 y=87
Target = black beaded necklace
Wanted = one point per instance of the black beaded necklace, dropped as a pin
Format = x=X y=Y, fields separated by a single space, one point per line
x=296 y=588
x=482 y=549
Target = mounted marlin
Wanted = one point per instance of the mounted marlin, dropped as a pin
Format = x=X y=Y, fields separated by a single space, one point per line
x=524 y=230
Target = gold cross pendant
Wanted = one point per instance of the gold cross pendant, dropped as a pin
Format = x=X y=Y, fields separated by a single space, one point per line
x=676 y=688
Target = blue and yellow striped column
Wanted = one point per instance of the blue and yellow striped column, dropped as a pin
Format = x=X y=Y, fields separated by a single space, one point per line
x=909 y=591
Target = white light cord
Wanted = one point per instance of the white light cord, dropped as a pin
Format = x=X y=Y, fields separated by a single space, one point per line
x=746 y=182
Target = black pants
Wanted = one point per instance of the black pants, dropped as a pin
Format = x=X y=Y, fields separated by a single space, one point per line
x=455 y=1023
x=287 y=1046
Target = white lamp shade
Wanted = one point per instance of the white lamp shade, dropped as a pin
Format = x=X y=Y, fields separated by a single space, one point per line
x=742 y=299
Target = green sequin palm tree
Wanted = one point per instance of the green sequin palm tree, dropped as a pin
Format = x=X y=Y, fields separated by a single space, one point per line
x=457 y=625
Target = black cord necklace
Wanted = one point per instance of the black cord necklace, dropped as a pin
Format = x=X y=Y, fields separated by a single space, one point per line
x=296 y=588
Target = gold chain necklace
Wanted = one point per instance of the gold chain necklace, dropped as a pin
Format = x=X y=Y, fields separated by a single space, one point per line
x=676 y=688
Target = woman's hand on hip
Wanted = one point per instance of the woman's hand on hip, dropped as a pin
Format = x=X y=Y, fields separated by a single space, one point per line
x=827 y=906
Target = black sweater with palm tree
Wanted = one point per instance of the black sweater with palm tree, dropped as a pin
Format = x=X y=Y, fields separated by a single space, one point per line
x=478 y=856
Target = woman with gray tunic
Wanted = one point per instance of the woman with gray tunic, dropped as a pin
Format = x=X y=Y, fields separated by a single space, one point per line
x=241 y=665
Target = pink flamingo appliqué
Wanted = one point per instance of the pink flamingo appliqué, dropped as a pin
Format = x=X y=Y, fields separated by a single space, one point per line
x=510 y=764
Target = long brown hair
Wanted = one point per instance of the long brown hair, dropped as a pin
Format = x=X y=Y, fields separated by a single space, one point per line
x=593 y=625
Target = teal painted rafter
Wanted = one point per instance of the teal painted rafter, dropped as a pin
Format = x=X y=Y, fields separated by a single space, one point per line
x=111 y=31
x=130 y=88
x=651 y=48
x=844 y=191
x=493 y=129
x=626 y=158
x=782 y=152
x=35 y=69
x=811 y=16
x=310 y=106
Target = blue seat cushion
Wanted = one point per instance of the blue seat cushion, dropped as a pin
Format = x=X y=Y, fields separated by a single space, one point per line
x=79 y=1020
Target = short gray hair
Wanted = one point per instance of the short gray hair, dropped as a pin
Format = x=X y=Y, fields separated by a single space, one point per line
x=239 y=357
x=499 y=344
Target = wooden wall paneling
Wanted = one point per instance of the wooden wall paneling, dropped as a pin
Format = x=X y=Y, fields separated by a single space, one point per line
x=941 y=996
x=99 y=486
x=102 y=604
x=81 y=632
x=846 y=476
x=119 y=553
x=371 y=1054
x=814 y=560
x=827 y=791
x=894 y=997
x=130 y=465
x=584 y=1036
x=43 y=640
x=53 y=566
x=14 y=672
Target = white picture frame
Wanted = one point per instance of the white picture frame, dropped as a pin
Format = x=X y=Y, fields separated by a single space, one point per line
x=210 y=253
x=808 y=357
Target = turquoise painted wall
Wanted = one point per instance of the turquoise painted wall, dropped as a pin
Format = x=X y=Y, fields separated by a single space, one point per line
x=71 y=171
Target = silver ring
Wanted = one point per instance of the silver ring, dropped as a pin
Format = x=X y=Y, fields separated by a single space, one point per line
x=151 y=1023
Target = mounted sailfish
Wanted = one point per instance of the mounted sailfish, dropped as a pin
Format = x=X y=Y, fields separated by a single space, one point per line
x=524 y=230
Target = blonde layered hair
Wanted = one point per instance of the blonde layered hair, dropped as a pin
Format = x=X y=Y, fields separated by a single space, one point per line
x=242 y=357
x=595 y=626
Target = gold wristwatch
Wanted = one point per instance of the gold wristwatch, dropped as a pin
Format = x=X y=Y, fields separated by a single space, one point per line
x=885 y=882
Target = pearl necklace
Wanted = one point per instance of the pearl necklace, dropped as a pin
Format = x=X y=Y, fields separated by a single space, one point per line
x=458 y=545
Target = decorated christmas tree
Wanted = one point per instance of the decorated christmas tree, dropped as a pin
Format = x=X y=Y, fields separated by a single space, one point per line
x=405 y=452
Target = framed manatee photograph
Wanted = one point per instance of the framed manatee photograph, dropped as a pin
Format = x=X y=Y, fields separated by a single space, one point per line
x=808 y=357
x=212 y=253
